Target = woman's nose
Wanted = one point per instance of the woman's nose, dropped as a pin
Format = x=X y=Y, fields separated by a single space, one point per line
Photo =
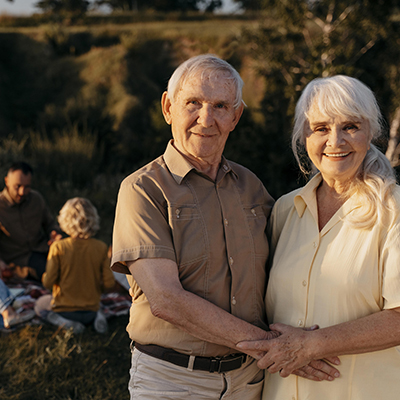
x=336 y=136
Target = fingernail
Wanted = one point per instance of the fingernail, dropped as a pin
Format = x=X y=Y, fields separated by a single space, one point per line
x=337 y=374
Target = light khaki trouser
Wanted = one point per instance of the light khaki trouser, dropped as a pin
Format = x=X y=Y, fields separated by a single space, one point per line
x=154 y=379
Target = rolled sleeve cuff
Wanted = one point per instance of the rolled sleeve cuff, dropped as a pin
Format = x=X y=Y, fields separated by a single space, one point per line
x=120 y=258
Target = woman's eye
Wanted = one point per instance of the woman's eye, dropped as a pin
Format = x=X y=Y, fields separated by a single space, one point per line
x=320 y=130
x=351 y=128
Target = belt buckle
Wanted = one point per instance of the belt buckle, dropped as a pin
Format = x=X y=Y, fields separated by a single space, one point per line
x=239 y=360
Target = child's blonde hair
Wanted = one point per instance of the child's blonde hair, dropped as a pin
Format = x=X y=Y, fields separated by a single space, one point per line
x=78 y=218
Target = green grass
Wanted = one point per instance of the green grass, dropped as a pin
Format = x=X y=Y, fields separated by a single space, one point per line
x=43 y=362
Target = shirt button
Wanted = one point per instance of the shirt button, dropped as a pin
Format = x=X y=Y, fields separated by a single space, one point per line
x=226 y=222
x=304 y=283
x=233 y=300
x=230 y=261
x=177 y=212
x=253 y=211
x=315 y=245
x=300 y=322
x=225 y=167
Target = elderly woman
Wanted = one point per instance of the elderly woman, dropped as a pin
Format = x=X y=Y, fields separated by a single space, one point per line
x=77 y=271
x=336 y=254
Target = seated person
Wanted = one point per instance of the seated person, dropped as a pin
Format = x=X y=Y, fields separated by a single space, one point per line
x=77 y=271
x=26 y=224
x=10 y=316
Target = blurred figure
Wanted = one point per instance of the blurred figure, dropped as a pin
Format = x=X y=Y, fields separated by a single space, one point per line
x=77 y=271
x=26 y=224
x=10 y=316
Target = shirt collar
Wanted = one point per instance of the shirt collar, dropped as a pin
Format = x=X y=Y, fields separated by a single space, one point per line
x=179 y=166
x=307 y=197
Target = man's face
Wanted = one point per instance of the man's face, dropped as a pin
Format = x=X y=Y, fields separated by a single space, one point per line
x=18 y=185
x=202 y=116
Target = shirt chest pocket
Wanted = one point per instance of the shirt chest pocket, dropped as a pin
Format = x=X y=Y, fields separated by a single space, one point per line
x=257 y=223
x=188 y=233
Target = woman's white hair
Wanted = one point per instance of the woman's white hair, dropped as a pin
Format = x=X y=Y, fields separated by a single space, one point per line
x=78 y=218
x=343 y=96
x=206 y=65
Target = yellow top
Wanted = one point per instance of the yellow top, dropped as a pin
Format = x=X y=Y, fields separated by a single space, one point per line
x=329 y=277
x=77 y=271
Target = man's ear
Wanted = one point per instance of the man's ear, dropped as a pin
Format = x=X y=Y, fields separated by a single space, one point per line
x=166 y=108
x=237 y=115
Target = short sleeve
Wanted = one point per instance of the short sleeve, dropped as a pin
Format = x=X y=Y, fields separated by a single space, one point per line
x=390 y=258
x=141 y=228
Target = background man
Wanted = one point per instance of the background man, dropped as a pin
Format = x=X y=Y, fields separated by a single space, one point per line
x=190 y=229
x=26 y=224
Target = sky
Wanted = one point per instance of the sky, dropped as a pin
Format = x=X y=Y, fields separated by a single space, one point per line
x=26 y=7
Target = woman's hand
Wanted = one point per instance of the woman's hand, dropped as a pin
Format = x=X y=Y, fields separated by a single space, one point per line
x=291 y=353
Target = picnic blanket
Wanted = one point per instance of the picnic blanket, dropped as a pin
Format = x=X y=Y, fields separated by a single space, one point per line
x=26 y=292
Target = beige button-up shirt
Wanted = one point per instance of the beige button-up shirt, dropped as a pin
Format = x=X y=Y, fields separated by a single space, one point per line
x=214 y=231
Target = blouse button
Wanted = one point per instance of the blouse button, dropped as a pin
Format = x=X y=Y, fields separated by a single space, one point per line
x=177 y=212
x=226 y=222
x=304 y=283
x=230 y=261
x=300 y=322
x=233 y=300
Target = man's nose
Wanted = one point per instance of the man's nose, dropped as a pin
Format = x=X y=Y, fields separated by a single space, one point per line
x=206 y=116
x=22 y=191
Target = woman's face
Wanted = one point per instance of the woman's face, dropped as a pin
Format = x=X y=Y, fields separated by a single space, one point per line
x=336 y=145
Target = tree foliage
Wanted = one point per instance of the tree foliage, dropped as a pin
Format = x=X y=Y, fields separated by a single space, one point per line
x=69 y=6
x=307 y=39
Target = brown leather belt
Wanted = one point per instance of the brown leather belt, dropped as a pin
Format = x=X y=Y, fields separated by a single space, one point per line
x=211 y=364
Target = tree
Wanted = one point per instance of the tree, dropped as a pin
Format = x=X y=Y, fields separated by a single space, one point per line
x=161 y=5
x=304 y=39
x=69 y=6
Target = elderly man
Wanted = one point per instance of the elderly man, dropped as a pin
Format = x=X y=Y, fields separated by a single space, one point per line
x=190 y=231
x=26 y=224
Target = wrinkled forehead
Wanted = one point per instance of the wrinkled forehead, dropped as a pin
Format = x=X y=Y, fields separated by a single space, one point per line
x=209 y=77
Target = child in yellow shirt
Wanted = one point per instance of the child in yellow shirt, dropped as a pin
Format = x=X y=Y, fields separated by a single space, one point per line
x=77 y=271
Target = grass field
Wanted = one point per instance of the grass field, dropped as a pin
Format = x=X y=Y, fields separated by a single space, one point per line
x=46 y=363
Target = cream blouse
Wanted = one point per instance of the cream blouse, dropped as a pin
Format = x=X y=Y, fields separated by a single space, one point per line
x=328 y=277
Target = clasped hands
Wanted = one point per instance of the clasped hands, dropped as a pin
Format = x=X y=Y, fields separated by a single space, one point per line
x=289 y=352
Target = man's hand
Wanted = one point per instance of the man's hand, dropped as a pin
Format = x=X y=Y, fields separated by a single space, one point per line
x=288 y=354
x=54 y=236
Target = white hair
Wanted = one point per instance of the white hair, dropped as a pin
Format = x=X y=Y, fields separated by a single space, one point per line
x=206 y=65
x=343 y=96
